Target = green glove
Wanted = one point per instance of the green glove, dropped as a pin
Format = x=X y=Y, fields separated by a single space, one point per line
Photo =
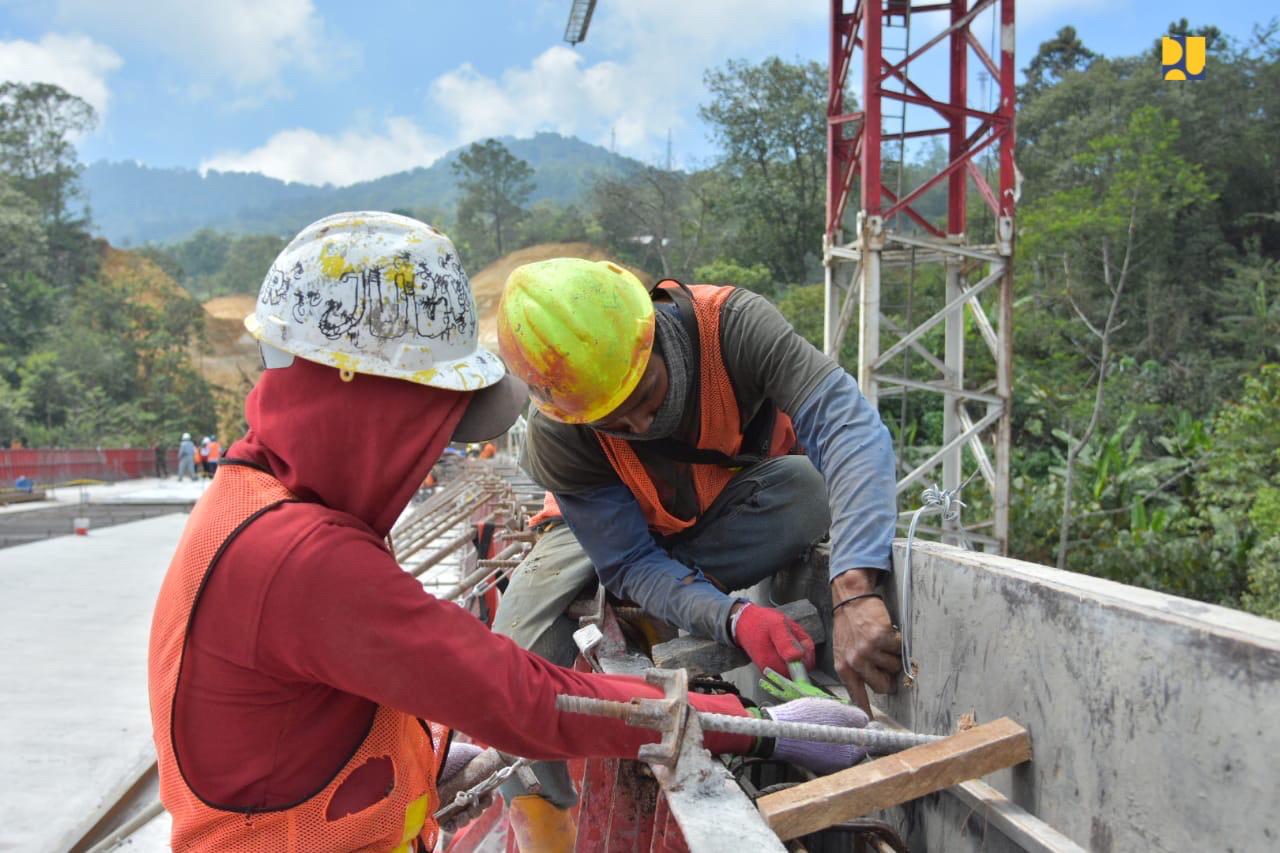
x=798 y=686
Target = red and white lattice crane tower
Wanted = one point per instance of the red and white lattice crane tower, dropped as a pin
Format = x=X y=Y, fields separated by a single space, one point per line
x=897 y=227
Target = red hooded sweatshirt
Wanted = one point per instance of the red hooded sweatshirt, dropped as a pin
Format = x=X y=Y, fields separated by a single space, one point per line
x=307 y=623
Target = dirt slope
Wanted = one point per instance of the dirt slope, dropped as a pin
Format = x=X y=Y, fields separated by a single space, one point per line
x=146 y=282
x=230 y=355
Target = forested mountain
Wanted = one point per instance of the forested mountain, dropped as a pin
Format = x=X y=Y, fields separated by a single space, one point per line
x=132 y=204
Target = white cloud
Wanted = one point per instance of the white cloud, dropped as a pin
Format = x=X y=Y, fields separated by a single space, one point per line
x=248 y=43
x=555 y=92
x=663 y=48
x=76 y=63
x=345 y=158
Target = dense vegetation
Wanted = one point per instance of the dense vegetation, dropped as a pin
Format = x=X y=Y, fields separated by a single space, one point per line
x=94 y=343
x=1147 y=319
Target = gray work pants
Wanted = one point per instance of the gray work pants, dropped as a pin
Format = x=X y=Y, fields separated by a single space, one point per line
x=765 y=517
x=762 y=521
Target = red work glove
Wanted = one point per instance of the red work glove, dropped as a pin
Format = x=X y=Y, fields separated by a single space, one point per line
x=770 y=639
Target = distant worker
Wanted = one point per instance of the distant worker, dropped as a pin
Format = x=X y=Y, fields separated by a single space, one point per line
x=203 y=452
x=666 y=430
x=489 y=450
x=213 y=451
x=310 y=706
x=162 y=462
x=186 y=457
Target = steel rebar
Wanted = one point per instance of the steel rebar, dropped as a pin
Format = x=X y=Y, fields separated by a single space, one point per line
x=875 y=740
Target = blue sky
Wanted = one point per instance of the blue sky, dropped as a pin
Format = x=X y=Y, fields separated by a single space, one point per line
x=317 y=91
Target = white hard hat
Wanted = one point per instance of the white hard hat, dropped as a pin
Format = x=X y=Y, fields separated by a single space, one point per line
x=377 y=293
x=186 y=436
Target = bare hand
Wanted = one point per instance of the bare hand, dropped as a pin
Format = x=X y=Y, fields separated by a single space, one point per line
x=867 y=649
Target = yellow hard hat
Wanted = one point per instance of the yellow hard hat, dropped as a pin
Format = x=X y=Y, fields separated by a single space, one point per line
x=578 y=332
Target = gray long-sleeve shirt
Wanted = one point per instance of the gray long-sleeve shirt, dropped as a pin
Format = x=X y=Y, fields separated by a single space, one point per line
x=840 y=431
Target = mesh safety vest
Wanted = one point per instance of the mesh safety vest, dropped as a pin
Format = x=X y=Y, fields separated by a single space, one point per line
x=237 y=496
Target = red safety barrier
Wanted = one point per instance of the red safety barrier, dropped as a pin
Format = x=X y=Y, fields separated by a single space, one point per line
x=47 y=466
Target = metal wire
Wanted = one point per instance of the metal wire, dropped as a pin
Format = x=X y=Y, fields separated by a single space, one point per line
x=934 y=501
x=475 y=792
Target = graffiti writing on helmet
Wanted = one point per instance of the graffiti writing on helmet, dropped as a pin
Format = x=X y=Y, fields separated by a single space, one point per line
x=387 y=302
x=279 y=283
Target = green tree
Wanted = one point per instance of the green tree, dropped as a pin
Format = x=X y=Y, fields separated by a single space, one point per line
x=1055 y=59
x=548 y=222
x=213 y=263
x=24 y=246
x=1240 y=488
x=756 y=277
x=770 y=122
x=495 y=187
x=37 y=124
x=657 y=219
x=1126 y=186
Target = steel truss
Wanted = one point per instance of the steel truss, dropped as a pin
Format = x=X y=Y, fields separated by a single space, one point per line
x=891 y=229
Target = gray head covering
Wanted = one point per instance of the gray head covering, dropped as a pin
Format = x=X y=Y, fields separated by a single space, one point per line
x=672 y=343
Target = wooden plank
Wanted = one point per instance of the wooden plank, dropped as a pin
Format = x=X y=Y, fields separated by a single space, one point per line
x=894 y=779
x=1014 y=822
x=703 y=655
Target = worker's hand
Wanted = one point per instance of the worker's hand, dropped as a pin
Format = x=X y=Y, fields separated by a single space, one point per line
x=820 y=758
x=453 y=780
x=867 y=648
x=798 y=686
x=770 y=639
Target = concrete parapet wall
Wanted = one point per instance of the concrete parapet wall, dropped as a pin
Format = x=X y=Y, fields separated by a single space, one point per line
x=1155 y=720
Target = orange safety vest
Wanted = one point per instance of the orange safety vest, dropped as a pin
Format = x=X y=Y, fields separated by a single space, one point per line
x=215 y=451
x=720 y=423
x=237 y=496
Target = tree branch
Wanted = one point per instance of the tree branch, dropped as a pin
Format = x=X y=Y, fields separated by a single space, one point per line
x=1104 y=360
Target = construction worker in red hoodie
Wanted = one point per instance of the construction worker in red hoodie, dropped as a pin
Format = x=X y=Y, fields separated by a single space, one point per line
x=304 y=689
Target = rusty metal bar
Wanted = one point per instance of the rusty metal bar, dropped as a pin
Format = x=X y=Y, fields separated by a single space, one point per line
x=880 y=741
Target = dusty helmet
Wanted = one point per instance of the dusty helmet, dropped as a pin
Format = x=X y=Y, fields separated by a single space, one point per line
x=578 y=332
x=375 y=293
x=380 y=294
